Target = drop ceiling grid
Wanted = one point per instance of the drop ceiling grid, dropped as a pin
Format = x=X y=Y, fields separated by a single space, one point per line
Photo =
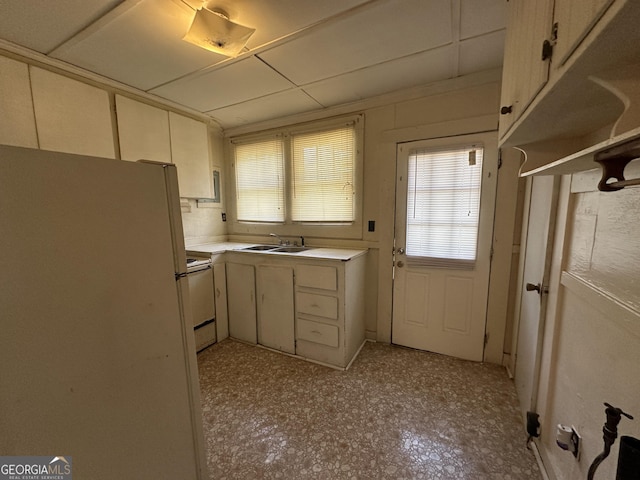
x=481 y=53
x=274 y=19
x=410 y=71
x=351 y=43
x=277 y=105
x=237 y=82
x=142 y=47
x=42 y=26
x=478 y=17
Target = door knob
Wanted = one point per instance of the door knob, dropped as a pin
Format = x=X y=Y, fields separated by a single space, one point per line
x=531 y=287
x=400 y=250
x=400 y=264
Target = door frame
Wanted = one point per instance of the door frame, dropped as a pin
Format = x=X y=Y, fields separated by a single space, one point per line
x=545 y=305
x=453 y=139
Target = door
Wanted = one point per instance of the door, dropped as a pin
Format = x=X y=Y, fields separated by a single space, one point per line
x=241 y=294
x=275 y=308
x=445 y=198
x=542 y=202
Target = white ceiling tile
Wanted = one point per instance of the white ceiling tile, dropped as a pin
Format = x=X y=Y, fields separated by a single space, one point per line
x=481 y=53
x=337 y=50
x=143 y=47
x=236 y=82
x=42 y=25
x=265 y=108
x=275 y=19
x=418 y=69
x=478 y=17
x=381 y=32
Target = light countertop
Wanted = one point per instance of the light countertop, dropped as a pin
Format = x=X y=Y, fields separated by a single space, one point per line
x=343 y=254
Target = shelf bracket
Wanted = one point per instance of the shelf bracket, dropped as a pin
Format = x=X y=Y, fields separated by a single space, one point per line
x=613 y=162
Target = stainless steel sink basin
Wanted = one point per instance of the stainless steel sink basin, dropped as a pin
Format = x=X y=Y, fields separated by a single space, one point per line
x=290 y=249
x=261 y=247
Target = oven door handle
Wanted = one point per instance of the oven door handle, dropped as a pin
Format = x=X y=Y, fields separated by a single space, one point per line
x=200 y=268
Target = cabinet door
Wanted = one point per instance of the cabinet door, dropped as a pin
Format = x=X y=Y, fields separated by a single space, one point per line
x=275 y=307
x=190 y=153
x=17 y=122
x=241 y=305
x=71 y=116
x=524 y=72
x=143 y=131
x=575 y=20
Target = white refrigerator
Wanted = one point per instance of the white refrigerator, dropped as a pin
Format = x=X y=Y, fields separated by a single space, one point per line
x=97 y=353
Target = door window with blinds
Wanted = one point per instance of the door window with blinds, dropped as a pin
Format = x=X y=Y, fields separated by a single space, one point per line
x=298 y=177
x=443 y=206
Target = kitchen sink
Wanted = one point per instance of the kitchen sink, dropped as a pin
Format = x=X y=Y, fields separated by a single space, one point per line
x=293 y=249
x=261 y=247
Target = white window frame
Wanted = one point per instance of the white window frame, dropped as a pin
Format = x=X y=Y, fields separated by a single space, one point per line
x=290 y=228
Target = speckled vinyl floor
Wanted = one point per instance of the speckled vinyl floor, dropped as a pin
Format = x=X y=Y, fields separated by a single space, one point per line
x=395 y=414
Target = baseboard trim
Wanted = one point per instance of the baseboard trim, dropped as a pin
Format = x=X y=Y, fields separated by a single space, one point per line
x=536 y=453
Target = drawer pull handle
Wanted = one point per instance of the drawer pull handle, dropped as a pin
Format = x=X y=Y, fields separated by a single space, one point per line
x=315 y=305
x=316 y=332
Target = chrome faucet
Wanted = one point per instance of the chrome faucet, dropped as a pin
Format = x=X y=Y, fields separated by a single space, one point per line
x=281 y=241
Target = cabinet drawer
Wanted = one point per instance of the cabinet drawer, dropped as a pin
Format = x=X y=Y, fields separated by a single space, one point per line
x=318 y=305
x=317 y=332
x=313 y=276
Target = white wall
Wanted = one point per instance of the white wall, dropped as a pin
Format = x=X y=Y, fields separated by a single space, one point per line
x=456 y=107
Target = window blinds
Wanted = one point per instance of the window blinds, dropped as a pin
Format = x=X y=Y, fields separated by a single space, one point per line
x=260 y=181
x=323 y=174
x=443 y=206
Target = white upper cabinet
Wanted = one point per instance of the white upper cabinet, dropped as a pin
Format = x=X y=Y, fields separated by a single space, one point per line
x=151 y=133
x=577 y=19
x=585 y=91
x=525 y=72
x=71 y=116
x=143 y=131
x=190 y=153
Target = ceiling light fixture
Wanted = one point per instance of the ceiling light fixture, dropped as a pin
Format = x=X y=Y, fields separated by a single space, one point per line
x=212 y=30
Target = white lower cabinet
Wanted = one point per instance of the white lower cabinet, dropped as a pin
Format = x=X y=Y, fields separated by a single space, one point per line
x=309 y=307
x=241 y=301
x=275 y=307
x=330 y=310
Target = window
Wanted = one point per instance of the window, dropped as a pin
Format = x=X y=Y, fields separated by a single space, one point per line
x=299 y=176
x=323 y=164
x=443 y=205
x=260 y=181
